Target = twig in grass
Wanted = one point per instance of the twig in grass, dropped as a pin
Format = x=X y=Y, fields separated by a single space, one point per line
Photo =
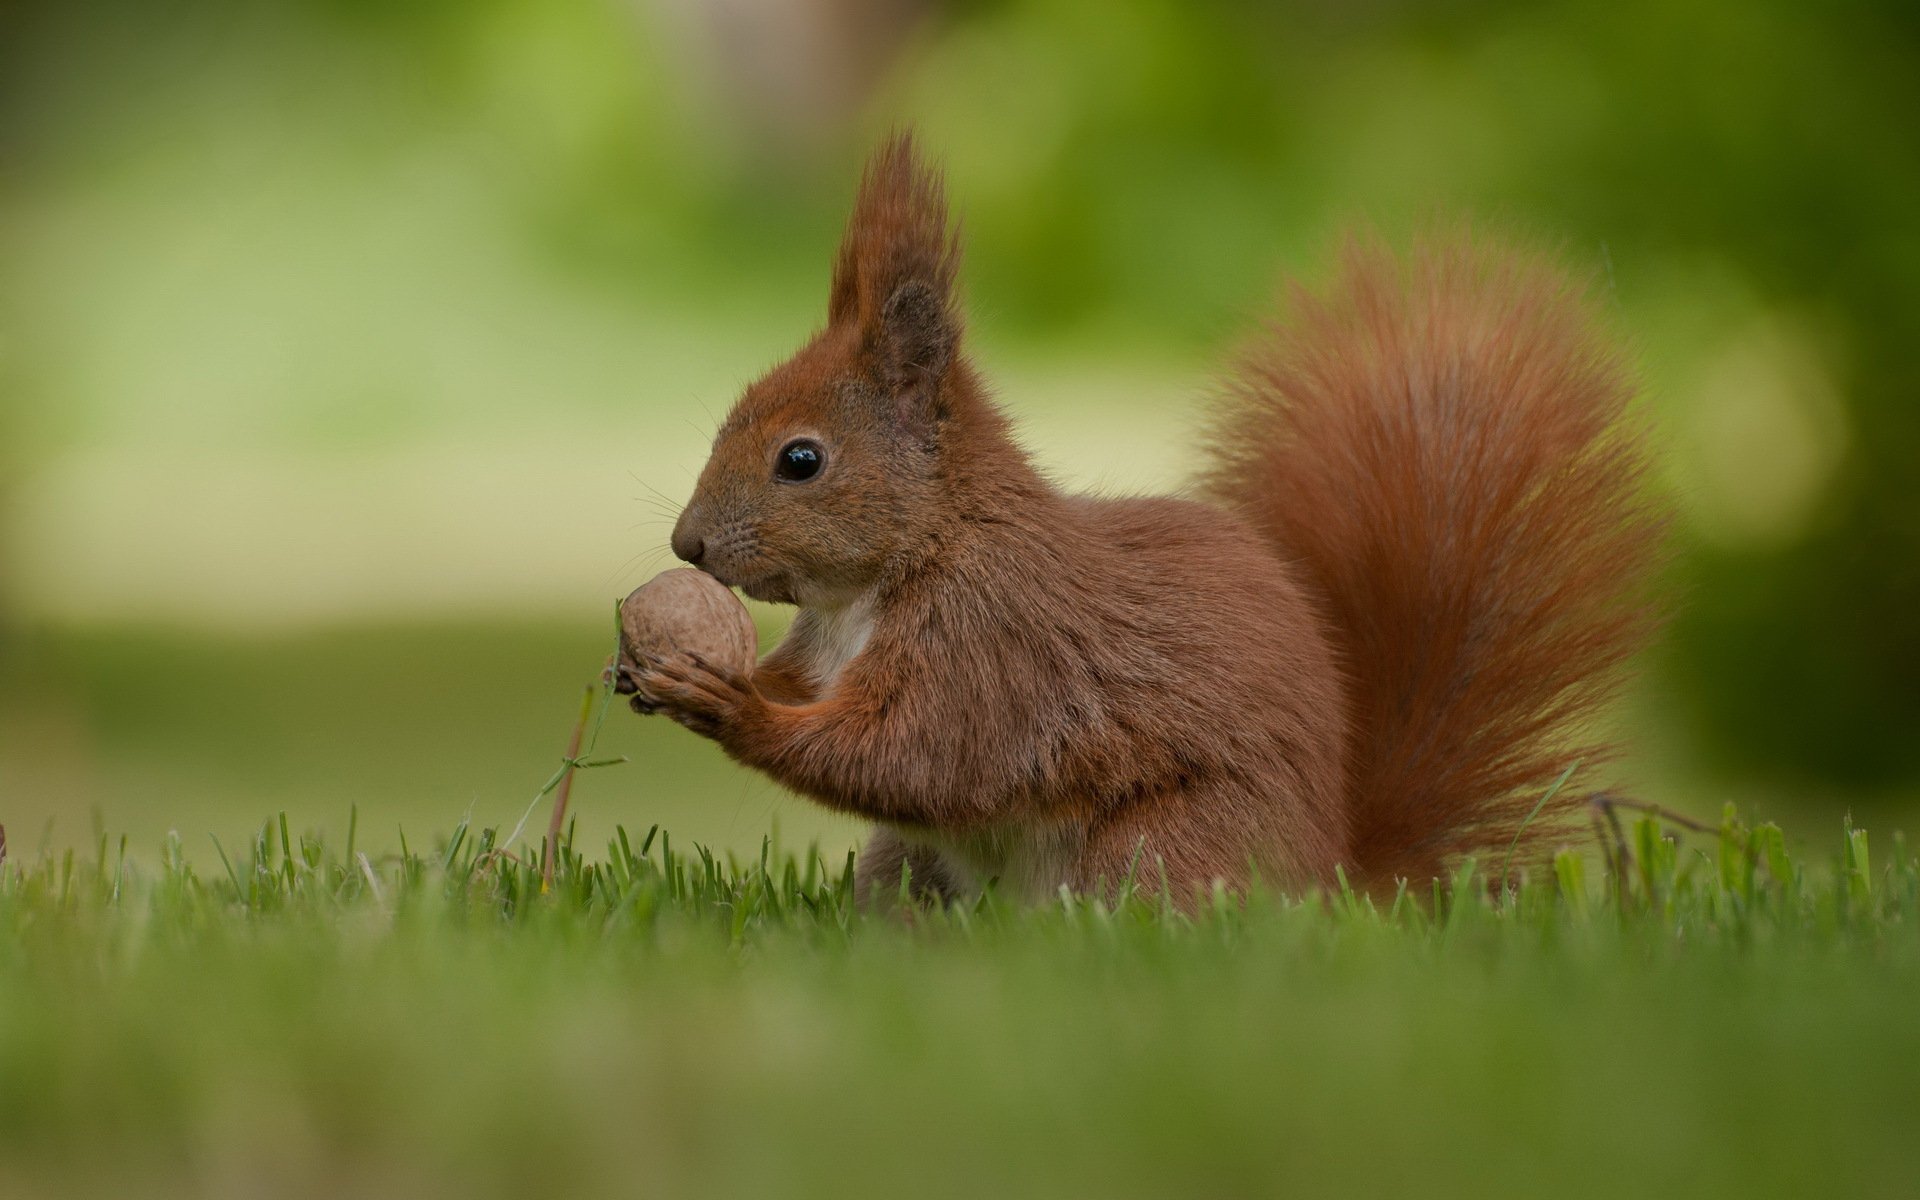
x=1620 y=859
x=1613 y=838
x=574 y=760
x=1608 y=803
x=3 y=845
x=1602 y=838
x=549 y=850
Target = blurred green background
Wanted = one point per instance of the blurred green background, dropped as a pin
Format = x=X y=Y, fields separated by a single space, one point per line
x=345 y=345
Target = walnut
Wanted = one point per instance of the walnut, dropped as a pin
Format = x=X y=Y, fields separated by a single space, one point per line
x=688 y=611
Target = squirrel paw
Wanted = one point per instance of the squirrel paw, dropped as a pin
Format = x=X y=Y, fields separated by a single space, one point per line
x=688 y=688
x=626 y=682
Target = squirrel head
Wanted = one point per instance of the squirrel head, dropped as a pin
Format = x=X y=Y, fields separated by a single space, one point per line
x=829 y=466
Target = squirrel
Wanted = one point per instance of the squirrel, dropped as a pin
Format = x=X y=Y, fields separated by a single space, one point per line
x=1367 y=644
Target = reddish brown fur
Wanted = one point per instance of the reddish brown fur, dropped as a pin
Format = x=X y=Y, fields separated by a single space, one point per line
x=1445 y=447
x=1045 y=689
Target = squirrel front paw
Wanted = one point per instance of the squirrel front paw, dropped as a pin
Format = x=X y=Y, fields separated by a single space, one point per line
x=626 y=682
x=688 y=688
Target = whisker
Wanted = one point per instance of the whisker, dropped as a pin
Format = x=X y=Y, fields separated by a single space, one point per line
x=669 y=501
x=643 y=562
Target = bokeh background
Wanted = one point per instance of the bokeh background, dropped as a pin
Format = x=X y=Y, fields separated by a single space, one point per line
x=351 y=350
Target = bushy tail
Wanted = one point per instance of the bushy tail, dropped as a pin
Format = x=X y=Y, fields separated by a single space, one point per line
x=1443 y=444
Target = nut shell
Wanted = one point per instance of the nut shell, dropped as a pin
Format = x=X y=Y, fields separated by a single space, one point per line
x=691 y=612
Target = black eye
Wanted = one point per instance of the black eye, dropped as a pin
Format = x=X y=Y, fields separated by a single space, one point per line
x=800 y=460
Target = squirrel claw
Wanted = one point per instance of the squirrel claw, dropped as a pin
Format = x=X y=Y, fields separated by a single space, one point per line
x=626 y=682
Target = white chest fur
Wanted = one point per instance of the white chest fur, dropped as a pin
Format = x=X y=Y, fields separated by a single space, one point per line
x=834 y=637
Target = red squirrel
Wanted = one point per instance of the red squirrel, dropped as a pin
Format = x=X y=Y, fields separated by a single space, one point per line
x=1372 y=638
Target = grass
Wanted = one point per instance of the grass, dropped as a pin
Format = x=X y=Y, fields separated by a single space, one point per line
x=1705 y=1016
x=1698 y=1010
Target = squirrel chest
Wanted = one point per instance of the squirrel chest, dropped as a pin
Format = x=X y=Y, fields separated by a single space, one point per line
x=833 y=638
x=1027 y=860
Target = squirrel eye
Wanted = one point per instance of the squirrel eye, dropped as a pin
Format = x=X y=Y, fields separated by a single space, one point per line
x=799 y=460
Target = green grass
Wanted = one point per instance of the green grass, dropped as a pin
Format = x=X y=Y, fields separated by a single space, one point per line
x=315 y=1018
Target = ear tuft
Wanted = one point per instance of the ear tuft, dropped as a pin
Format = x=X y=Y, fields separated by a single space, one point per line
x=894 y=275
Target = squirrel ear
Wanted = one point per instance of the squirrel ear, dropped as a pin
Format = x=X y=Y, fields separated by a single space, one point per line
x=911 y=348
x=893 y=277
x=916 y=335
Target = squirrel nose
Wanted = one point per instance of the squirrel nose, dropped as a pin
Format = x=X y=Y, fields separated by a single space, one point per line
x=688 y=546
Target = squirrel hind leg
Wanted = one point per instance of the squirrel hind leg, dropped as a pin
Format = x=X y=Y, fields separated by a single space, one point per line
x=886 y=858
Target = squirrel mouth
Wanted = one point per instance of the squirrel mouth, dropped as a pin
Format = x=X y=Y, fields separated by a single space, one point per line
x=769 y=589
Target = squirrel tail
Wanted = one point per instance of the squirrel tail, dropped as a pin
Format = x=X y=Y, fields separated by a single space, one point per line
x=1443 y=443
